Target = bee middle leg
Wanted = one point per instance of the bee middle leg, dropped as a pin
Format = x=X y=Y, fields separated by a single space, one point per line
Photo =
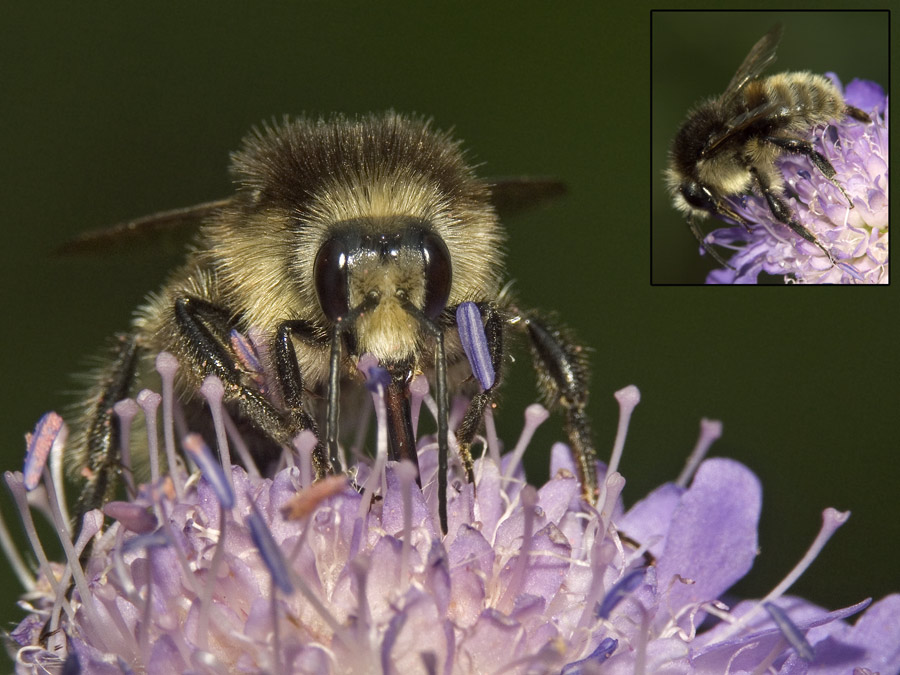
x=782 y=213
x=563 y=376
x=801 y=147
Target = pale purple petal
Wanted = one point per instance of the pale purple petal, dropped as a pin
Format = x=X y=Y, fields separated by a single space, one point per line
x=518 y=584
x=719 y=515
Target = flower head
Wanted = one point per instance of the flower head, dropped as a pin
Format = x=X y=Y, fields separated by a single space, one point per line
x=238 y=572
x=857 y=238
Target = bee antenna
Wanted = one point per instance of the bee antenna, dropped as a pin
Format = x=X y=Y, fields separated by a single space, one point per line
x=443 y=403
x=343 y=324
x=695 y=229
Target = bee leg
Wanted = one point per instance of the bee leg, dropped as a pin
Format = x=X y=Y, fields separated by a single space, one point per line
x=563 y=375
x=783 y=214
x=801 y=147
x=471 y=420
x=200 y=322
x=857 y=114
x=102 y=436
x=287 y=370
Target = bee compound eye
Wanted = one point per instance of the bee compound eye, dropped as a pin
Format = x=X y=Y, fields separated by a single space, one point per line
x=438 y=274
x=330 y=274
x=697 y=195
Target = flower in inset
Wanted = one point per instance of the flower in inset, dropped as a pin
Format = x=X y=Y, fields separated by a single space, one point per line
x=857 y=238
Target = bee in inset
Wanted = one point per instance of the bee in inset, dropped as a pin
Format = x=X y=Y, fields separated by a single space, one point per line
x=728 y=145
x=344 y=237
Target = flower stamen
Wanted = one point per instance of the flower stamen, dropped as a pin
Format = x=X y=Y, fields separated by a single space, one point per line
x=126 y=410
x=214 y=391
x=167 y=366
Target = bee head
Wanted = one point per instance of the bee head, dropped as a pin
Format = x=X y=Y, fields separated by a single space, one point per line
x=375 y=223
x=380 y=271
x=689 y=195
x=698 y=200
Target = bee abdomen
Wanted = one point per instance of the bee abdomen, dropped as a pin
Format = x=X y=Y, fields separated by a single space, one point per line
x=804 y=99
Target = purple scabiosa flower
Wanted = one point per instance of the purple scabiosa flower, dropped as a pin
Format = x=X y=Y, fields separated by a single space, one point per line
x=857 y=238
x=214 y=569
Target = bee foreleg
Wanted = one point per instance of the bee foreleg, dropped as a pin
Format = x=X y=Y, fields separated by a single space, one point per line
x=563 y=376
x=287 y=369
x=199 y=321
x=471 y=420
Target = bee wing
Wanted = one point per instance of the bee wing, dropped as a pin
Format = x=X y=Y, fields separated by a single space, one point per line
x=177 y=223
x=513 y=194
x=509 y=195
x=740 y=122
x=761 y=55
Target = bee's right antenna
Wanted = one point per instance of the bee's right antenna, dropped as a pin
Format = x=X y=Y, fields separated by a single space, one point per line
x=695 y=229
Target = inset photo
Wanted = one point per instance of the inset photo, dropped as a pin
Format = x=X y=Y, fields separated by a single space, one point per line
x=769 y=147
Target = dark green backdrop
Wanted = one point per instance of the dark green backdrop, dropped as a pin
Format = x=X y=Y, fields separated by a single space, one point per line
x=114 y=112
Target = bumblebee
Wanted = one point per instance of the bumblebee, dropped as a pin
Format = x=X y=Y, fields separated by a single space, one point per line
x=344 y=237
x=728 y=145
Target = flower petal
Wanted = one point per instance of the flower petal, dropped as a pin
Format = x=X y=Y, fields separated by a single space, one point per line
x=712 y=539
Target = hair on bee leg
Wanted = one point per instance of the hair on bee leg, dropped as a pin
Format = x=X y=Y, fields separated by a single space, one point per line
x=563 y=375
x=102 y=441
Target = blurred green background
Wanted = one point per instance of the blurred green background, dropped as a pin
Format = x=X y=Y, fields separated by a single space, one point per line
x=694 y=57
x=115 y=111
